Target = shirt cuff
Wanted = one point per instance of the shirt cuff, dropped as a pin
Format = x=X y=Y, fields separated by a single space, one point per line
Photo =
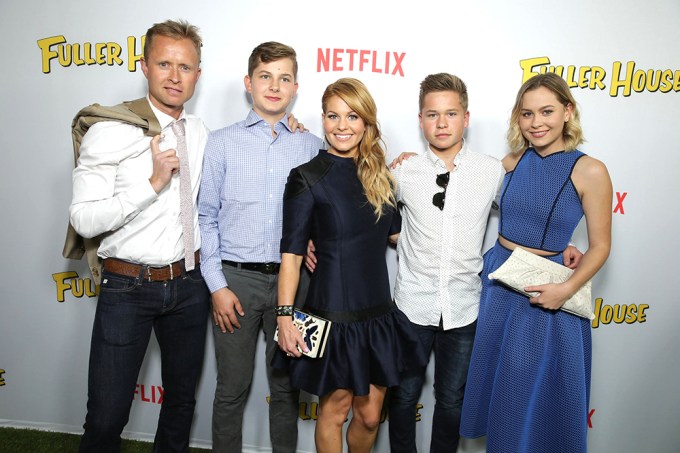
x=215 y=279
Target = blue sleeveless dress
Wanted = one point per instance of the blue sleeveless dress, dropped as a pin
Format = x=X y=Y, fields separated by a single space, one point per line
x=528 y=383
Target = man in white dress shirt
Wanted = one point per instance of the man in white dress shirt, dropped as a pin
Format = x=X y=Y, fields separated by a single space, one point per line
x=445 y=196
x=126 y=187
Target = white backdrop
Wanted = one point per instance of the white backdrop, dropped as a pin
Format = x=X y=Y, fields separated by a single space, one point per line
x=604 y=47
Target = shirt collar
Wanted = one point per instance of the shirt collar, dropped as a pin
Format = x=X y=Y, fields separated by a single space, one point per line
x=253 y=119
x=437 y=162
x=163 y=118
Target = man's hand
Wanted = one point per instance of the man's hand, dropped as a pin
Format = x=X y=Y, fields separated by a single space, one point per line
x=294 y=124
x=165 y=164
x=400 y=158
x=226 y=306
x=571 y=257
x=310 y=257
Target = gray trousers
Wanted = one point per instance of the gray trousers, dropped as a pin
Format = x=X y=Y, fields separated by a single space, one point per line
x=235 y=355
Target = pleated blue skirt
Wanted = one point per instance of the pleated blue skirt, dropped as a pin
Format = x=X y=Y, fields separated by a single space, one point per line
x=528 y=384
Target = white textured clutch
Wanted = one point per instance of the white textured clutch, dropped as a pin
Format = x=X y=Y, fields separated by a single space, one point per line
x=524 y=269
x=314 y=332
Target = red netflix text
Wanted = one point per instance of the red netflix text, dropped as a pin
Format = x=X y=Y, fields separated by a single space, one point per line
x=590 y=418
x=149 y=393
x=620 y=196
x=362 y=60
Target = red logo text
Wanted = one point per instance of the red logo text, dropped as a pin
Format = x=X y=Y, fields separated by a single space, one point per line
x=360 y=60
x=149 y=393
x=620 y=196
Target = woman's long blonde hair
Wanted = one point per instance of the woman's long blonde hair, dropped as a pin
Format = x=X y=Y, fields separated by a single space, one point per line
x=572 y=133
x=372 y=169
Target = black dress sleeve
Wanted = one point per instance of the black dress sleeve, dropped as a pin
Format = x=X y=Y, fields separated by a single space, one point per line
x=298 y=204
x=395 y=226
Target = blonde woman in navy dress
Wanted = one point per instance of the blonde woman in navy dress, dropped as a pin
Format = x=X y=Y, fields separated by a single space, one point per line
x=343 y=200
x=528 y=385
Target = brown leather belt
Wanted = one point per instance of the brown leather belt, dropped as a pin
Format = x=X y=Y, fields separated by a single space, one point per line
x=265 y=268
x=149 y=273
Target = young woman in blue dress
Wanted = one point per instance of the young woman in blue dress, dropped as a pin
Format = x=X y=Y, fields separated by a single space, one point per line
x=529 y=379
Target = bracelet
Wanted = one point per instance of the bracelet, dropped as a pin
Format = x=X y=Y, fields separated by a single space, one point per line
x=283 y=310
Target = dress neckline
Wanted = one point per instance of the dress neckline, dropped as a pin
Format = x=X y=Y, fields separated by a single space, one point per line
x=349 y=161
x=549 y=155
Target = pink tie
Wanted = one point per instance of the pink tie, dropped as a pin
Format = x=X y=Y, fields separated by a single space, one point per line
x=186 y=203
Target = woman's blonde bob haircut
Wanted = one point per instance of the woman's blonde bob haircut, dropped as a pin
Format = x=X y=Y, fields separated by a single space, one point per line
x=572 y=132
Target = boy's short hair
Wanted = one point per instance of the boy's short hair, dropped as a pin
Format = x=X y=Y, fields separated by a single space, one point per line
x=443 y=82
x=176 y=29
x=271 y=51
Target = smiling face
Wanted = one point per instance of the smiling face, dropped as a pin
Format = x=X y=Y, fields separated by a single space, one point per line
x=443 y=121
x=172 y=70
x=272 y=87
x=343 y=127
x=541 y=119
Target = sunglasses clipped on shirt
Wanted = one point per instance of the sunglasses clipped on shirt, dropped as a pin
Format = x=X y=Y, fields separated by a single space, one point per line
x=439 y=197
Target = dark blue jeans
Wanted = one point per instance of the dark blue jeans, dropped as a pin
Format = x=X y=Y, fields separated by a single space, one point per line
x=452 y=350
x=128 y=310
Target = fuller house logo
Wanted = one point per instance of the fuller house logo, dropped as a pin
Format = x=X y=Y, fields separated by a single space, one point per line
x=624 y=78
x=78 y=287
x=309 y=410
x=56 y=50
x=2 y=377
x=618 y=314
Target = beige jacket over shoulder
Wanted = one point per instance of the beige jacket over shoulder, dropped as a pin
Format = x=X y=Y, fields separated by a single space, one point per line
x=137 y=113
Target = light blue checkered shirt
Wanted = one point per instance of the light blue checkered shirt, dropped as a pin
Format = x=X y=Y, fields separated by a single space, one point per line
x=240 y=202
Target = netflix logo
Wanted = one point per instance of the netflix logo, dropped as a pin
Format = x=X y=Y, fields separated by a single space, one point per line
x=362 y=60
x=149 y=393
x=620 y=197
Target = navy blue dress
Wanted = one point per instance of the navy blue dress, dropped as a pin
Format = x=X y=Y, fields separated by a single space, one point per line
x=371 y=341
x=528 y=384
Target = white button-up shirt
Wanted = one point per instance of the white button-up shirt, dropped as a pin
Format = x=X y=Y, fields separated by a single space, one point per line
x=112 y=193
x=440 y=250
